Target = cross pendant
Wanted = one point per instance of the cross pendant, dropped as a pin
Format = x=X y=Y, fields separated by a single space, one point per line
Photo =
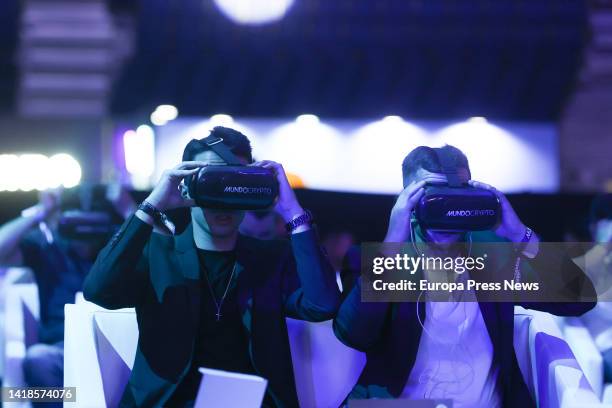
x=218 y=315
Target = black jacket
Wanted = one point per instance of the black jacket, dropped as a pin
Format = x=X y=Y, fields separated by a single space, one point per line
x=159 y=276
x=390 y=333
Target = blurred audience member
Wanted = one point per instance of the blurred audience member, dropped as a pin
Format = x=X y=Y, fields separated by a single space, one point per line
x=59 y=247
x=598 y=265
x=266 y=224
x=337 y=243
x=119 y=196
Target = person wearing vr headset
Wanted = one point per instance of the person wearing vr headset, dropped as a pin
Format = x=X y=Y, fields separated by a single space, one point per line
x=58 y=239
x=461 y=351
x=209 y=296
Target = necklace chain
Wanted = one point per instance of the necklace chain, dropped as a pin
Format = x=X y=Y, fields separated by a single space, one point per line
x=219 y=304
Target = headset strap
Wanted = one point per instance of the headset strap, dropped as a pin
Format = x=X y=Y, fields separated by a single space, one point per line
x=216 y=145
x=448 y=168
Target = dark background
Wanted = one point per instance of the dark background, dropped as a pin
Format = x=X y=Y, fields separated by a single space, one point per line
x=503 y=59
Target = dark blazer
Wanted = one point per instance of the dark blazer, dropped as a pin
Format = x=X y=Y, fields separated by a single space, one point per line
x=160 y=276
x=390 y=333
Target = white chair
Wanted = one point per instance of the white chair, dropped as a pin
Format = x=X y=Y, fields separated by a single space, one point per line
x=8 y=277
x=586 y=352
x=553 y=374
x=538 y=343
x=99 y=350
x=20 y=331
x=21 y=328
x=325 y=369
x=100 y=345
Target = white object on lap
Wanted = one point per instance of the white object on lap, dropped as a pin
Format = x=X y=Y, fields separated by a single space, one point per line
x=226 y=389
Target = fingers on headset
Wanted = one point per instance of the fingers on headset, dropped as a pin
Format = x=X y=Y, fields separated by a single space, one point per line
x=189 y=165
x=269 y=164
x=417 y=196
x=185 y=172
x=411 y=189
x=182 y=173
x=480 y=184
x=420 y=185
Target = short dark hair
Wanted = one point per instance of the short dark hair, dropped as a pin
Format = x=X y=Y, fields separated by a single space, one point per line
x=238 y=143
x=425 y=157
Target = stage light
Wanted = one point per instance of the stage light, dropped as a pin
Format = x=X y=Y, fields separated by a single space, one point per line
x=477 y=119
x=254 y=12
x=221 y=119
x=139 y=147
x=163 y=114
x=167 y=112
x=381 y=146
x=392 y=119
x=33 y=171
x=307 y=119
x=157 y=119
x=8 y=166
x=65 y=169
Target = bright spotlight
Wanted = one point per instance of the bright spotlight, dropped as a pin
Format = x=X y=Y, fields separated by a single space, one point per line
x=307 y=119
x=392 y=119
x=163 y=114
x=167 y=112
x=33 y=171
x=65 y=169
x=254 y=12
x=157 y=119
x=8 y=166
x=30 y=167
x=139 y=147
x=477 y=119
x=221 y=119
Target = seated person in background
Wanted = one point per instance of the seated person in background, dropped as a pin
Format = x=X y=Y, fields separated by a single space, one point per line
x=446 y=350
x=599 y=320
x=263 y=224
x=337 y=243
x=211 y=297
x=59 y=264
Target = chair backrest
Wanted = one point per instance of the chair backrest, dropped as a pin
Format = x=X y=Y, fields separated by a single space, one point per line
x=549 y=367
x=100 y=346
x=325 y=369
x=99 y=350
x=587 y=354
x=20 y=329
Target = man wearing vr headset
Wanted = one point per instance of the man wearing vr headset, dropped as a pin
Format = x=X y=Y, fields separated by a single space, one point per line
x=461 y=351
x=59 y=247
x=211 y=297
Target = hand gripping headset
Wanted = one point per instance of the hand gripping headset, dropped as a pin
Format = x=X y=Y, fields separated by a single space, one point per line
x=456 y=206
x=232 y=187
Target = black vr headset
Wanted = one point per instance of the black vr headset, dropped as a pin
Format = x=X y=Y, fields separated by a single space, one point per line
x=86 y=214
x=232 y=187
x=456 y=206
x=86 y=225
